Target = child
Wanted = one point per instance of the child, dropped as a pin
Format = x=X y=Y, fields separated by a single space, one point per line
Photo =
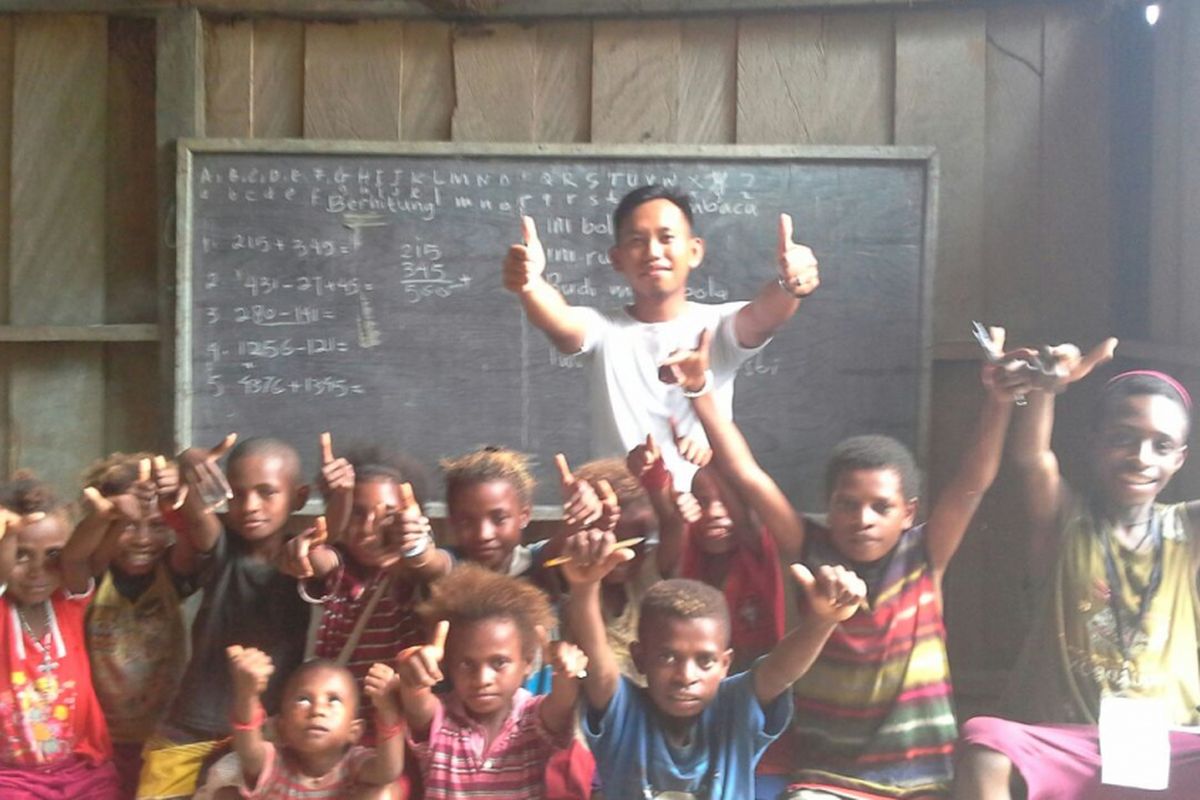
x=315 y=754
x=135 y=629
x=53 y=738
x=247 y=601
x=655 y=250
x=1119 y=571
x=488 y=738
x=370 y=581
x=874 y=715
x=692 y=729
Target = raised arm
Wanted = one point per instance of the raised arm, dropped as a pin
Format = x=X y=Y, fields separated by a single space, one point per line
x=387 y=762
x=732 y=454
x=645 y=462
x=10 y=524
x=206 y=486
x=419 y=554
x=592 y=557
x=779 y=298
x=832 y=596
x=418 y=669
x=251 y=670
x=524 y=276
x=105 y=519
x=570 y=666
x=336 y=484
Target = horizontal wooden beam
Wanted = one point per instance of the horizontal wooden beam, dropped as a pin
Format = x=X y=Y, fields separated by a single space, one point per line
x=79 y=333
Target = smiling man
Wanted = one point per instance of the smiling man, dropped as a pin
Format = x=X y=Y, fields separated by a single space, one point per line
x=656 y=250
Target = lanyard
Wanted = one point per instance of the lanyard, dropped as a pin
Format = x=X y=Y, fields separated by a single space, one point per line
x=1114 y=581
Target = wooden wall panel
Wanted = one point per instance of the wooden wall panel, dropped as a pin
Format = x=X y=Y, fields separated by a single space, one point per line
x=427 y=93
x=816 y=79
x=941 y=100
x=352 y=77
x=6 y=353
x=708 y=82
x=277 y=94
x=635 y=80
x=494 y=80
x=57 y=276
x=1189 y=170
x=562 y=93
x=1073 y=298
x=228 y=77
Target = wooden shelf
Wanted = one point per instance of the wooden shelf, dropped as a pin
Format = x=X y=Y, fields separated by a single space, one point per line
x=138 y=332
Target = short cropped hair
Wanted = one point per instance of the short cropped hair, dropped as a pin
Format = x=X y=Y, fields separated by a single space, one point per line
x=1124 y=387
x=378 y=463
x=268 y=447
x=115 y=473
x=644 y=194
x=682 y=598
x=471 y=593
x=26 y=493
x=628 y=489
x=873 y=452
x=486 y=465
x=318 y=665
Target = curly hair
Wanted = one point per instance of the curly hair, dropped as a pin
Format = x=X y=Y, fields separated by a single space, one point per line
x=873 y=452
x=682 y=598
x=472 y=593
x=115 y=473
x=486 y=465
x=26 y=493
x=629 y=490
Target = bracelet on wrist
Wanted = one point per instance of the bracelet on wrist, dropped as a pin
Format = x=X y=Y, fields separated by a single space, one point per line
x=385 y=732
x=705 y=387
x=791 y=288
x=657 y=478
x=256 y=720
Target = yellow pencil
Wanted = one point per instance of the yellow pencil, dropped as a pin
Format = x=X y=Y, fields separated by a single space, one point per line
x=624 y=543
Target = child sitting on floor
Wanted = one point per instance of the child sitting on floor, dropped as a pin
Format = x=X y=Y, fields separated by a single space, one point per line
x=315 y=753
x=488 y=738
x=53 y=738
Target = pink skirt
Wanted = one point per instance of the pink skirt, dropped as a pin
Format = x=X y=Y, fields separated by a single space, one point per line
x=70 y=779
x=1062 y=762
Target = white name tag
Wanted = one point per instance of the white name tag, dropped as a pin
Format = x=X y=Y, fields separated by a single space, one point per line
x=1135 y=748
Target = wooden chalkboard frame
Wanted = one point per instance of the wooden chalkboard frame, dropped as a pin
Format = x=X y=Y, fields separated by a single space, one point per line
x=189 y=148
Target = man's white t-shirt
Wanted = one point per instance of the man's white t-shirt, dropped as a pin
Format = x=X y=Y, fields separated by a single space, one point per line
x=628 y=400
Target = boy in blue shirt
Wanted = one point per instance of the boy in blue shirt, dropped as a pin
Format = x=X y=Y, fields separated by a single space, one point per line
x=692 y=732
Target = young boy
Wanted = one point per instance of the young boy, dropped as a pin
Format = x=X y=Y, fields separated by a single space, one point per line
x=692 y=730
x=247 y=601
x=656 y=249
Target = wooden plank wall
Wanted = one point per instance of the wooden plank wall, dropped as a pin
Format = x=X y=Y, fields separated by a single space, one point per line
x=1016 y=98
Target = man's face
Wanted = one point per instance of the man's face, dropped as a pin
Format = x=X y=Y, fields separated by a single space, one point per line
x=656 y=250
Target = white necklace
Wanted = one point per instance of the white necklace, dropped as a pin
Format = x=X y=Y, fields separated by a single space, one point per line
x=50 y=661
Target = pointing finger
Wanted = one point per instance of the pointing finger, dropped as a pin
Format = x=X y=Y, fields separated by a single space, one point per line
x=439 y=637
x=326 y=448
x=1098 y=355
x=564 y=470
x=529 y=232
x=223 y=447
x=785 y=232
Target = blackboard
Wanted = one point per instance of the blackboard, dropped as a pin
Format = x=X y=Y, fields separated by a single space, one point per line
x=356 y=288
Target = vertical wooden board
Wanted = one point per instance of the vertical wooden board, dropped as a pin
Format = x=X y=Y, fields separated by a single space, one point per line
x=1166 y=264
x=941 y=100
x=277 y=79
x=815 y=78
x=562 y=92
x=1077 y=182
x=1012 y=237
x=635 y=80
x=427 y=90
x=6 y=76
x=134 y=410
x=1189 y=172
x=352 y=80
x=708 y=81
x=228 y=76
x=494 y=76
x=59 y=98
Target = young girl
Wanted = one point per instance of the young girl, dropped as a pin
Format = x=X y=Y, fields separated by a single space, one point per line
x=314 y=753
x=489 y=738
x=135 y=630
x=53 y=738
x=873 y=714
x=1121 y=611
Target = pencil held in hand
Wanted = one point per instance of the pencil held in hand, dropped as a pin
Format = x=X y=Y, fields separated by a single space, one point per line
x=623 y=544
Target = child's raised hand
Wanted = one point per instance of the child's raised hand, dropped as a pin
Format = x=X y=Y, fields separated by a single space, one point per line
x=643 y=458
x=590 y=555
x=251 y=670
x=118 y=507
x=693 y=450
x=10 y=521
x=170 y=492
x=380 y=686
x=610 y=507
x=411 y=526
x=337 y=474
x=581 y=505
x=688 y=507
x=298 y=551
x=203 y=474
x=834 y=593
x=688 y=369
x=419 y=667
x=1009 y=376
x=798 y=270
x=1069 y=365
x=525 y=262
x=565 y=658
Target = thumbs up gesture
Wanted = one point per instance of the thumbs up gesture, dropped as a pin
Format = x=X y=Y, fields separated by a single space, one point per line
x=834 y=593
x=419 y=666
x=798 y=273
x=581 y=505
x=525 y=262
